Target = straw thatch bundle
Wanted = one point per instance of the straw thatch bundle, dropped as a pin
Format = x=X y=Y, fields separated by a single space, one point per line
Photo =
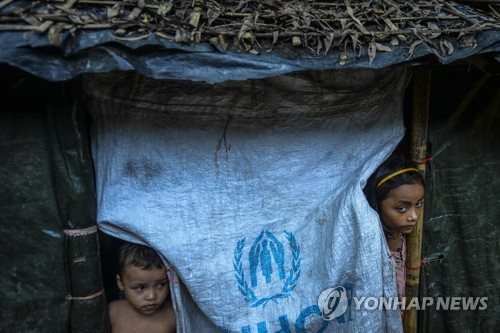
x=302 y=27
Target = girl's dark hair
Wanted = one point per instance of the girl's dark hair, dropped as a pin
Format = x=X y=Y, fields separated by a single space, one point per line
x=144 y=257
x=375 y=195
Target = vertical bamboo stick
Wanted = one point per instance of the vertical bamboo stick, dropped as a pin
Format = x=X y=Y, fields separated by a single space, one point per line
x=420 y=117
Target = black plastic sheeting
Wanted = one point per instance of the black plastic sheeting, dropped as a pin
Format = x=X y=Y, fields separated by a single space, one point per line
x=462 y=211
x=99 y=52
x=51 y=282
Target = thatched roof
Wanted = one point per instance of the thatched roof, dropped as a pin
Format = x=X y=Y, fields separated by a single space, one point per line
x=346 y=30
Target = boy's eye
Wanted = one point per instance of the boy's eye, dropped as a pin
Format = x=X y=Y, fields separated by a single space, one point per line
x=139 y=288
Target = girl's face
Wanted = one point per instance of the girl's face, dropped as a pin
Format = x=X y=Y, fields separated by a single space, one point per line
x=145 y=290
x=401 y=208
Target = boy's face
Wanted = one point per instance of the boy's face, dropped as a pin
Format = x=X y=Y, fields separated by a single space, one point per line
x=401 y=208
x=145 y=290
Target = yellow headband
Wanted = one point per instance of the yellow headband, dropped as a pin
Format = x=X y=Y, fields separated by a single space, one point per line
x=395 y=174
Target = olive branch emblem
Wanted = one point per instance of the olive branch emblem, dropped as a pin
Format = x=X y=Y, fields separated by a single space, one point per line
x=291 y=280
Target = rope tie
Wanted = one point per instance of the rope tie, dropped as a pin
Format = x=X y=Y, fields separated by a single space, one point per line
x=80 y=232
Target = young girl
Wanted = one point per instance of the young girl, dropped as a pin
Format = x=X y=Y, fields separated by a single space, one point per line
x=396 y=192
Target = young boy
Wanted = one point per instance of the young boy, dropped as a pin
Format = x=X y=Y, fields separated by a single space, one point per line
x=147 y=307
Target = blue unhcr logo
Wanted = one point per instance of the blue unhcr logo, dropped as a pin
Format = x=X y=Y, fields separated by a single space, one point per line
x=268 y=254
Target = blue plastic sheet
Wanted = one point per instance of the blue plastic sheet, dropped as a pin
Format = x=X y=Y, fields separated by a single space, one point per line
x=158 y=58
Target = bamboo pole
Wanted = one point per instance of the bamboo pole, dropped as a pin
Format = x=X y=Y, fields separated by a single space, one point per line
x=420 y=117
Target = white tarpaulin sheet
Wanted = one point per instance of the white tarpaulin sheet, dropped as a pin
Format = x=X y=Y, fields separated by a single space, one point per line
x=252 y=191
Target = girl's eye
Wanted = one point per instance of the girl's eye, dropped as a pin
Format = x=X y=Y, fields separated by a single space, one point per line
x=401 y=209
x=161 y=285
x=419 y=204
x=139 y=288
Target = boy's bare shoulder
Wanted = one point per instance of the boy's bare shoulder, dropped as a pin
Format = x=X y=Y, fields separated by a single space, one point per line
x=117 y=309
x=118 y=304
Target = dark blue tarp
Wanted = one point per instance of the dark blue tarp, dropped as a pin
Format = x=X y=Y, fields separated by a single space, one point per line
x=155 y=57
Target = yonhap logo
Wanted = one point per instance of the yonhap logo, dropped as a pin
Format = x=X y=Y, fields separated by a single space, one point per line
x=267 y=264
x=333 y=302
